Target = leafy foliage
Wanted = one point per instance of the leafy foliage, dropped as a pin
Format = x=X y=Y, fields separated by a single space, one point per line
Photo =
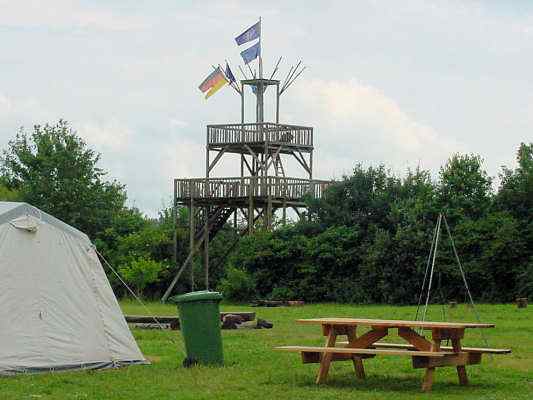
x=365 y=241
x=237 y=285
x=53 y=169
x=140 y=272
x=7 y=194
x=465 y=187
x=370 y=235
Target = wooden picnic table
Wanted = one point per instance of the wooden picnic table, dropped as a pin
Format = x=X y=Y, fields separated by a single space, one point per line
x=425 y=353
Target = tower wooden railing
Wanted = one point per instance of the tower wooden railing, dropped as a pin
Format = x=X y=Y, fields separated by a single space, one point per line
x=258 y=133
x=226 y=188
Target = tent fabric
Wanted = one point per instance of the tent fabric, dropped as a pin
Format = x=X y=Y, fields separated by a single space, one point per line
x=11 y=210
x=27 y=222
x=57 y=308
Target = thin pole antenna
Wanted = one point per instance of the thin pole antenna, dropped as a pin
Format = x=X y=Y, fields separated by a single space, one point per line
x=242 y=72
x=275 y=68
x=251 y=72
x=291 y=75
x=292 y=81
x=287 y=77
x=295 y=77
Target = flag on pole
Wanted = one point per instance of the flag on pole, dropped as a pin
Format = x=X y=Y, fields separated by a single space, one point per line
x=251 y=53
x=213 y=82
x=215 y=88
x=229 y=74
x=249 y=34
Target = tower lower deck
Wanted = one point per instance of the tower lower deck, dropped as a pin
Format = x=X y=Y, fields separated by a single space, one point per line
x=240 y=191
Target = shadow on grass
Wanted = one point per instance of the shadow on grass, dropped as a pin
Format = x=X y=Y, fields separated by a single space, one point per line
x=388 y=383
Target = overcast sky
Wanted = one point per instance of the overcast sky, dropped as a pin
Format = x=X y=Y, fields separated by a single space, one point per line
x=404 y=83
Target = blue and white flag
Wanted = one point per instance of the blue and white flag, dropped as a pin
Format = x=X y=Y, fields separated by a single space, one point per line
x=249 y=34
x=229 y=74
x=251 y=53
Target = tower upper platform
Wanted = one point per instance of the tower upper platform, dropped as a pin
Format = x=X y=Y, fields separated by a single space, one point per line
x=260 y=137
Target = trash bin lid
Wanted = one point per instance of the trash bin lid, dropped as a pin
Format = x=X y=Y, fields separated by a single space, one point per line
x=201 y=295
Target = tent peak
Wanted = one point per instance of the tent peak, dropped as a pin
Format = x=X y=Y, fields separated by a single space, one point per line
x=10 y=210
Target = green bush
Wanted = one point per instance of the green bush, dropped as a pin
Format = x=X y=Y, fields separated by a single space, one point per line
x=283 y=293
x=140 y=273
x=237 y=285
x=7 y=194
x=369 y=236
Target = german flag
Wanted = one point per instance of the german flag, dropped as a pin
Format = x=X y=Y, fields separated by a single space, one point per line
x=213 y=82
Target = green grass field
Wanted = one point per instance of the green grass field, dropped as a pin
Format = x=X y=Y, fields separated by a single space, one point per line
x=254 y=371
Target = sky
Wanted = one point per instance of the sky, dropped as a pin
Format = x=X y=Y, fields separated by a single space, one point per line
x=405 y=83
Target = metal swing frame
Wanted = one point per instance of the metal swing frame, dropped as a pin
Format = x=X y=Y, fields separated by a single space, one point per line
x=430 y=272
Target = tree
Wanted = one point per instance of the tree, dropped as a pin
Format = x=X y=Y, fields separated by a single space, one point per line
x=369 y=237
x=363 y=198
x=53 y=169
x=237 y=285
x=491 y=249
x=516 y=189
x=515 y=196
x=465 y=187
x=7 y=194
x=140 y=272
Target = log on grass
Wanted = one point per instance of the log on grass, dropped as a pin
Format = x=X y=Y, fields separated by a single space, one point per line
x=174 y=322
x=277 y=303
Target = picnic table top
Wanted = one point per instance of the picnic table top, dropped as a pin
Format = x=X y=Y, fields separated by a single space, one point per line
x=392 y=323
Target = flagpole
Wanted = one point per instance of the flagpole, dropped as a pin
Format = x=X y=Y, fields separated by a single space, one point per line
x=260 y=49
x=260 y=89
x=229 y=82
x=223 y=73
x=233 y=84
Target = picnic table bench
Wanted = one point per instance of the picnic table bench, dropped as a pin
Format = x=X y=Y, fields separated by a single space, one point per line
x=428 y=354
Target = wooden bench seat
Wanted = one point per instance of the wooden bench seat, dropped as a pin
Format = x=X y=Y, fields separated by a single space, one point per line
x=421 y=359
x=406 y=346
x=428 y=353
x=362 y=352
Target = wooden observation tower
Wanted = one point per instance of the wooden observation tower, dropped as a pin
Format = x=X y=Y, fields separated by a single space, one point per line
x=263 y=186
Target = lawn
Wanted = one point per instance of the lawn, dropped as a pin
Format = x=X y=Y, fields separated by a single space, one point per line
x=254 y=371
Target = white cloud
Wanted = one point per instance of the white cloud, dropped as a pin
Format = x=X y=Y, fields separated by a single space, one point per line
x=145 y=161
x=150 y=182
x=65 y=14
x=177 y=123
x=5 y=104
x=111 y=135
x=357 y=122
x=430 y=72
x=16 y=112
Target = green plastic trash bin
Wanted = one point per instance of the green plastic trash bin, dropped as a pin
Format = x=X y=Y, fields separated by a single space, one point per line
x=200 y=326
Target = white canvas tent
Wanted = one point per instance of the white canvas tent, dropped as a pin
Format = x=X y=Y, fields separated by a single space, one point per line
x=57 y=309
